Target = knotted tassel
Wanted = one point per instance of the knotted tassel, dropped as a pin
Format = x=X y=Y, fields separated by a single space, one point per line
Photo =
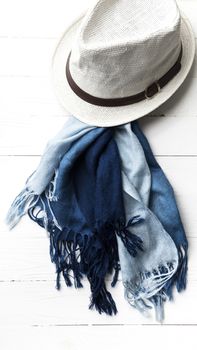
x=132 y=242
x=75 y=255
x=180 y=277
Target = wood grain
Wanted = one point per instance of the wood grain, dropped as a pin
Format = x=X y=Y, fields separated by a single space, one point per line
x=98 y=336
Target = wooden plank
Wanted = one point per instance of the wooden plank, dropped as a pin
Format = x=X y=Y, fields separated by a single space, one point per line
x=26 y=136
x=97 y=337
x=39 y=303
x=171 y=136
x=26 y=89
x=46 y=19
x=32 y=56
x=167 y=135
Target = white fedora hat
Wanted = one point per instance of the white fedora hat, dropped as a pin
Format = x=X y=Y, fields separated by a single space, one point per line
x=122 y=59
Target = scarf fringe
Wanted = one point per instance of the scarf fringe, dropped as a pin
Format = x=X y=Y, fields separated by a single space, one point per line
x=132 y=242
x=149 y=282
x=150 y=287
x=158 y=302
x=137 y=296
x=179 y=279
x=79 y=255
x=181 y=282
x=103 y=302
x=25 y=200
x=50 y=192
x=76 y=255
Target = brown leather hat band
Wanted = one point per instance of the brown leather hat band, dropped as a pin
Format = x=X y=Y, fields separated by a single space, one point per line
x=148 y=93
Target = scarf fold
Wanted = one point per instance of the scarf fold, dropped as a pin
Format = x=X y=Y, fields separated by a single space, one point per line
x=146 y=276
x=107 y=206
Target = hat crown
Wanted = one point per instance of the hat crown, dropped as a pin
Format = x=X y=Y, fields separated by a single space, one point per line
x=122 y=46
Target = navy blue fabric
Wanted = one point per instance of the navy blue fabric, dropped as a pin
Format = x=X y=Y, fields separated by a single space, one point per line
x=88 y=209
x=98 y=183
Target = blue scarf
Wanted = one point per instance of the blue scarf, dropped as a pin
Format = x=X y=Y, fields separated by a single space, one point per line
x=96 y=226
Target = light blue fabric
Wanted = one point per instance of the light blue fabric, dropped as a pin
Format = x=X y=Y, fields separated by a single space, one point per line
x=145 y=275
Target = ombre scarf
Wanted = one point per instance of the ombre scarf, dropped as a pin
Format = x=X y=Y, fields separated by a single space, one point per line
x=107 y=206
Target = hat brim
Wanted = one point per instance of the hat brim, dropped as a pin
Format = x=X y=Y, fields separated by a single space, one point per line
x=112 y=116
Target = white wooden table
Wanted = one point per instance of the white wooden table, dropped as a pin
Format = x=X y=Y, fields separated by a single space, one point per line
x=33 y=314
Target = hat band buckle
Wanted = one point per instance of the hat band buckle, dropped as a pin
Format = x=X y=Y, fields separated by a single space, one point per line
x=154 y=88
